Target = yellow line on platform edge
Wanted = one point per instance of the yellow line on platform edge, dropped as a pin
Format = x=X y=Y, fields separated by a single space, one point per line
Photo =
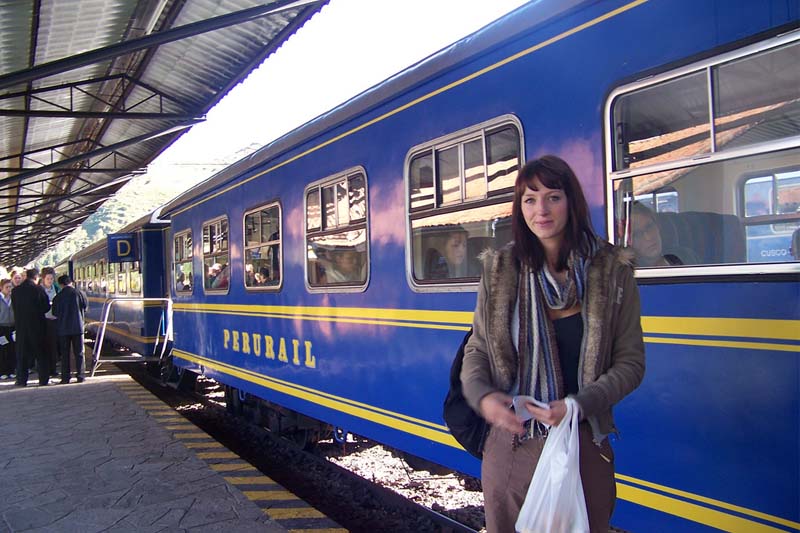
x=232 y=467
x=293 y=512
x=269 y=495
x=249 y=480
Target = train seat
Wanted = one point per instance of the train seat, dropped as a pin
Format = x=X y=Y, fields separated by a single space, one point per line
x=703 y=237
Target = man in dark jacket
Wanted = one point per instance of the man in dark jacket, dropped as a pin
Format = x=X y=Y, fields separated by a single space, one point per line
x=69 y=306
x=30 y=303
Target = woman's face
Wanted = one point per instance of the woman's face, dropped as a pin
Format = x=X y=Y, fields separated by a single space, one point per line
x=646 y=239
x=455 y=249
x=17 y=279
x=346 y=261
x=47 y=280
x=546 y=211
x=7 y=289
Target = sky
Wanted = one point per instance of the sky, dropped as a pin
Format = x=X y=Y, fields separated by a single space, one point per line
x=344 y=49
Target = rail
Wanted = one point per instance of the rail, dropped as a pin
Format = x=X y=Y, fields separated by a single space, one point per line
x=164 y=325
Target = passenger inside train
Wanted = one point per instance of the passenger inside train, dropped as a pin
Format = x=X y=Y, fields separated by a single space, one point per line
x=447 y=257
x=345 y=265
x=646 y=239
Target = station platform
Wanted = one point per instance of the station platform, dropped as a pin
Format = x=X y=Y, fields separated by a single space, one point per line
x=108 y=455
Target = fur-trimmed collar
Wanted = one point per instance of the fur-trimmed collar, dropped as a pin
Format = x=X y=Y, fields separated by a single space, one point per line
x=503 y=275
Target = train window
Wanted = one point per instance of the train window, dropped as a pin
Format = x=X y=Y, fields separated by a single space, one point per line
x=661 y=200
x=662 y=122
x=182 y=265
x=216 y=270
x=122 y=279
x=135 y=278
x=103 y=283
x=459 y=201
x=336 y=232
x=262 y=248
x=771 y=202
x=757 y=98
x=700 y=184
x=112 y=278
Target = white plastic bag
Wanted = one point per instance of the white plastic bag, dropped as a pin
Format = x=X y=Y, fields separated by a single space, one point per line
x=555 y=502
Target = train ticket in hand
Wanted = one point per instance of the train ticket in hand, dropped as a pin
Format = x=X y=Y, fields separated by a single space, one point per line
x=521 y=411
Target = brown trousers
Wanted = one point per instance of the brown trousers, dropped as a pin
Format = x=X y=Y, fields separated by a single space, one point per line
x=506 y=474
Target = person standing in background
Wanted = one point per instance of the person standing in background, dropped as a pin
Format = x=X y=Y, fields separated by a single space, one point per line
x=69 y=306
x=51 y=348
x=30 y=303
x=7 y=353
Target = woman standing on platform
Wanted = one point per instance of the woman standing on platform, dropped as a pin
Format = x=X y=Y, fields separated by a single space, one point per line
x=7 y=353
x=557 y=315
x=51 y=347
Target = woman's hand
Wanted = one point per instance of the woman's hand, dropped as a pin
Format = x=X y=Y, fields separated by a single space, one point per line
x=551 y=416
x=495 y=410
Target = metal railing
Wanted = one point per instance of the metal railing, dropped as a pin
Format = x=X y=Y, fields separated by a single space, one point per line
x=164 y=325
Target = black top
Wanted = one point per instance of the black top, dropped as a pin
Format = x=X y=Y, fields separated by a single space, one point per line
x=68 y=307
x=569 y=334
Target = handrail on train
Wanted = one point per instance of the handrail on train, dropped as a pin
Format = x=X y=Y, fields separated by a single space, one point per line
x=101 y=332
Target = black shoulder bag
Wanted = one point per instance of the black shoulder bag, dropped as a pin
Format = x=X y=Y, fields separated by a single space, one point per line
x=468 y=428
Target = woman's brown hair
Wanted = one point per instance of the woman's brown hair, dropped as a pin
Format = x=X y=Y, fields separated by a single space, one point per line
x=554 y=173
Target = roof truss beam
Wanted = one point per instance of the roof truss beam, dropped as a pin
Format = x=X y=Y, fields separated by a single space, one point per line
x=98 y=152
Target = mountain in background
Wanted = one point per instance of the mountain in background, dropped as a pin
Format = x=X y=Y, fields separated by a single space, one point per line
x=140 y=196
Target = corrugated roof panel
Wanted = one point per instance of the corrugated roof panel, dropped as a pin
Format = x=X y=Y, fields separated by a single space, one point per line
x=196 y=72
x=15 y=35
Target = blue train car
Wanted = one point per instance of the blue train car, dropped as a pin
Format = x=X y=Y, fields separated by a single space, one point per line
x=332 y=274
x=132 y=323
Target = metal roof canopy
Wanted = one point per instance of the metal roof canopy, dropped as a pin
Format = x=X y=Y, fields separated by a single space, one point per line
x=77 y=125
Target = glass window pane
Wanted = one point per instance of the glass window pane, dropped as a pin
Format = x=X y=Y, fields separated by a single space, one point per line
x=449 y=178
x=339 y=259
x=711 y=227
x=788 y=192
x=135 y=282
x=187 y=246
x=217 y=272
x=358 y=198
x=223 y=237
x=474 y=176
x=262 y=266
x=313 y=220
x=183 y=277
x=758 y=196
x=502 y=158
x=122 y=282
x=665 y=122
x=420 y=175
x=270 y=224
x=207 y=236
x=342 y=204
x=329 y=206
x=178 y=249
x=252 y=229
x=758 y=98
x=446 y=246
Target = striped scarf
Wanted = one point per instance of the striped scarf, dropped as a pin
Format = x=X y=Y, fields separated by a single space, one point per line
x=540 y=369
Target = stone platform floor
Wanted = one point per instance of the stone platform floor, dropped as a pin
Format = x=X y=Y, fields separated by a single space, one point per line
x=87 y=458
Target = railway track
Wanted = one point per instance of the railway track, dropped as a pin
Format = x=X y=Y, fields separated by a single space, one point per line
x=358 y=504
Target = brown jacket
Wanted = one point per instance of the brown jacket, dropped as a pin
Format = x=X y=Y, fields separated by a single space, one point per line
x=612 y=365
